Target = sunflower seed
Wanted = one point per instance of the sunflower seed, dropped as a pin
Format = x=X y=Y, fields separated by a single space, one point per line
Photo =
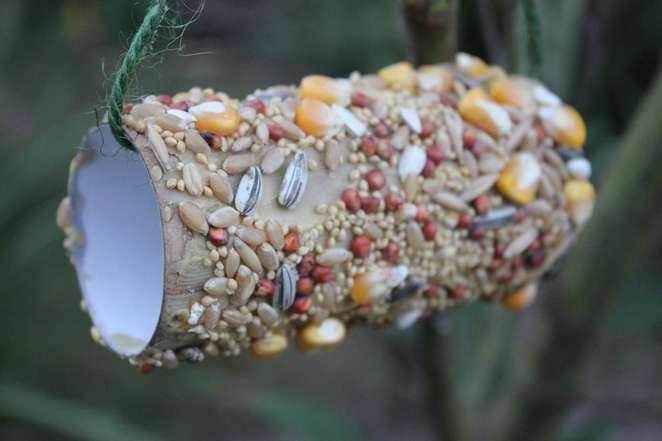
x=193 y=217
x=192 y=179
x=191 y=354
x=495 y=218
x=286 y=281
x=415 y=236
x=272 y=161
x=520 y=243
x=450 y=201
x=478 y=187
x=223 y=217
x=353 y=124
x=235 y=164
x=268 y=256
x=292 y=131
x=275 y=234
x=251 y=236
x=294 y=182
x=333 y=256
x=158 y=147
x=221 y=187
x=267 y=314
x=196 y=143
x=249 y=191
x=334 y=154
x=412 y=161
x=411 y=118
x=232 y=262
x=217 y=286
x=411 y=187
x=248 y=256
x=408 y=289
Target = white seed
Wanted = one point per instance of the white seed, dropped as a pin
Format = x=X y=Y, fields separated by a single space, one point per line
x=354 y=125
x=411 y=118
x=207 y=107
x=412 y=161
x=579 y=168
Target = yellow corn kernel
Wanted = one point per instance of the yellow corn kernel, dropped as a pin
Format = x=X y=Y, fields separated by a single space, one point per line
x=315 y=118
x=182 y=96
x=518 y=300
x=325 y=89
x=269 y=347
x=444 y=79
x=224 y=123
x=477 y=108
x=368 y=287
x=579 y=200
x=512 y=91
x=326 y=335
x=564 y=124
x=519 y=179
x=398 y=75
x=472 y=66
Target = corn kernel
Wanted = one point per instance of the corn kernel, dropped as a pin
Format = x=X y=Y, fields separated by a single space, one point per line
x=477 y=107
x=224 y=123
x=564 y=124
x=519 y=179
x=399 y=76
x=472 y=66
x=269 y=347
x=326 y=335
x=326 y=89
x=579 y=200
x=315 y=118
x=518 y=300
x=443 y=78
x=512 y=91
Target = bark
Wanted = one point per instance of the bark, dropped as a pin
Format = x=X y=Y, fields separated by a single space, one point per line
x=432 y=27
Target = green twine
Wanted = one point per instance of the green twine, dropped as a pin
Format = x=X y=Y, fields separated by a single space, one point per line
x=141 y=44
x=534 y=35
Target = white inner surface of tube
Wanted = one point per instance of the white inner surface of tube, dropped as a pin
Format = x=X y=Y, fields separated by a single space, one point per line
x=120 y=264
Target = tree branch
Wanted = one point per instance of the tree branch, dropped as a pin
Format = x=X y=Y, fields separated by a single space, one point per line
x=628 y=209
x=432 y=27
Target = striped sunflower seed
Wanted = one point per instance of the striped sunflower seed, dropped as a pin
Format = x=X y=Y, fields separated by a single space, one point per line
x=286 y=281
x=249 y=191
x=294 y=182
x=193 y=217
x=495 y=218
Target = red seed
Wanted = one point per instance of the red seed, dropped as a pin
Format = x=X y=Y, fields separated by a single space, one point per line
x=505 y=277
x=384 y=149
x=164 y=99
x=369 y=145
x=276 y=133
x=427 y=129
x=464 y=221
x=482 y=204
x=518 y=262
x=352 y=200
x=361 y=246
x=179 y=105
x=265 y=288
x=146 y=368
x=435 y=154
x=448 y=101
x=499 y=248
x=458 y=292
x=540 y=133
x=376 y=180
x=127 y=107
x=495 y=264
x=536 y=259
x=429 y=169
x=217 y=236
x=422 y=214
x=430 y=230
x=381 y=131
x=393 y=202
x=305 y=286
x=258 y=105
x=302 y=304
x=370 y=204
x=291 y=242
x=431 y=292
x=468 y=138
x=478 y=233
x=391 y=253
x=306 y=265
x=323 y=274
x=360 y=100
x=535 y=245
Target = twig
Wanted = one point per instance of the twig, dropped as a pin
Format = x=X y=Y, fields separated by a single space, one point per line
x=627 y=213
x=432 y=27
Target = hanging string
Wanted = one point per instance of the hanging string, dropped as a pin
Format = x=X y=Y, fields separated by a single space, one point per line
x=140 y=45
x=534 y=37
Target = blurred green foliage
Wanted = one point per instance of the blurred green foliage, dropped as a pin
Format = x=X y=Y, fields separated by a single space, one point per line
x=56 y=58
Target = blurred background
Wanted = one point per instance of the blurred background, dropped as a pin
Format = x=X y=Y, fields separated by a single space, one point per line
x=56 y=60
